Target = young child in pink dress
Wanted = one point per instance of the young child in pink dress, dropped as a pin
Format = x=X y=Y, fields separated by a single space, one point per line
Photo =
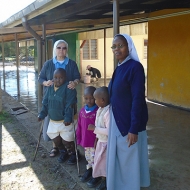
x=101 y=127
x=86 y=138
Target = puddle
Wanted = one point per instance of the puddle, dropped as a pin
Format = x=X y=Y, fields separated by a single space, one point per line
x=28 y=85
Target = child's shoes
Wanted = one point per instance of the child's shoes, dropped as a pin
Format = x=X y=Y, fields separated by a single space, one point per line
x=63 y=156
x=73 y=159
x=102 y=185
x=93 y=182
x=87 y=175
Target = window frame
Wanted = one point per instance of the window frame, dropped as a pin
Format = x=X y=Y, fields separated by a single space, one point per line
x=89 y=49
x=145 y=49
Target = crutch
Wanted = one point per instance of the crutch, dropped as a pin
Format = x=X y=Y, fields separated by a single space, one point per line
x=78 y=168
x=41 y=128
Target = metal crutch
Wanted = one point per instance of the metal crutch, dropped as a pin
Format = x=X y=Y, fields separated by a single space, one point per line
x=78 y=168
x=41 y=128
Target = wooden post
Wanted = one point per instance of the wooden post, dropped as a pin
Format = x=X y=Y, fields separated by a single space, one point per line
x=3 y=59
x=40 y=88
x=17 y=63
x=26 y=53
x=43 y=43
x=0 y=97
x=39 y=54
x=104 y=57
x=115 y=22
x=81 y=57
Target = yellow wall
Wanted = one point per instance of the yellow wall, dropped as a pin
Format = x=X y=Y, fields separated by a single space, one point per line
x=139 y=44
x=169 y=60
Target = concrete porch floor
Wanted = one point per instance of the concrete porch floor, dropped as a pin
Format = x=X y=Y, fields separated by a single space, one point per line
x=169 y=147
x=168 y=131
x=168 y=143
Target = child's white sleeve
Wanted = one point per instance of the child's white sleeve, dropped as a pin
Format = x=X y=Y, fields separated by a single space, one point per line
x=104 y=129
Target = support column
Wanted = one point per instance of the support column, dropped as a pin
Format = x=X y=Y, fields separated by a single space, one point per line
x=105 y=57
x=3 y=59
x=17 y=64
x=40 y=87
x=26 y=53
x=1 y=108
x=115 y=22
x=43 y=43
x=81 y=57
x=0 y=97
x=39 y=54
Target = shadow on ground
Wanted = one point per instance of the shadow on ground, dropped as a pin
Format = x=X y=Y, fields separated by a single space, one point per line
x=168 y=144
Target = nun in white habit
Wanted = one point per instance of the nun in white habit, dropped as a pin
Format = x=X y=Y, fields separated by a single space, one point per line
x=127 y=153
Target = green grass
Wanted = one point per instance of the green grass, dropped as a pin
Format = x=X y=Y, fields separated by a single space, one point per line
x=4 y=117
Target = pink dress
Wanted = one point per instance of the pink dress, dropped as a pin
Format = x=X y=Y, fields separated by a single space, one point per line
x=101 y=131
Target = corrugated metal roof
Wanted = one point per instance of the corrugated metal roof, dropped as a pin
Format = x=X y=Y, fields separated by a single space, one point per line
x=33 y=7
x=63 y=16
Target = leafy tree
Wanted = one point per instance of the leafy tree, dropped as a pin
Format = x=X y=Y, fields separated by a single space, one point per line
x=9 y=50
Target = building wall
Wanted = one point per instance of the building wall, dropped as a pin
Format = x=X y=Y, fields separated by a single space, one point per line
x=169 y=60
x=99 y=63
x=138 y=32
x=139 y=44
x=71 y=39
x=73 y=43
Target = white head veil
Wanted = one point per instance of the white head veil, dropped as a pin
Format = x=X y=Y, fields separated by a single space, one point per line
x=132 y=50
x=56 y=44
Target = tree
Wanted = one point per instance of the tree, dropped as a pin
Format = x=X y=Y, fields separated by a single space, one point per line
x=9 y=49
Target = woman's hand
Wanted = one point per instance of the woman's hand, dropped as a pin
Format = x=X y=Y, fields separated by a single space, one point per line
x=72 y=84
x=131 y=139
x=48 y=83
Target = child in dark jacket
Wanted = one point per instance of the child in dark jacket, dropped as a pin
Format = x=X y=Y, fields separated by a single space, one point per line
x=57 y=103
x=86 y=138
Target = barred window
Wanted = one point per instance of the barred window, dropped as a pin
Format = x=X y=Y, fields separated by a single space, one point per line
x=90 y=50
x=145 y=48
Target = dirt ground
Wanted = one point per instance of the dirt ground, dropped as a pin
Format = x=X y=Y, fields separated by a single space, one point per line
x=17 y=147
x=169 y=153
x=19 y=171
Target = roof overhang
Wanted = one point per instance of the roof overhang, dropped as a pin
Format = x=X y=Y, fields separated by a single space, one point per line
x=66 y=16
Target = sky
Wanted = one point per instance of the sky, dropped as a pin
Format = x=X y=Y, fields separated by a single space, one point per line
x=10 y=7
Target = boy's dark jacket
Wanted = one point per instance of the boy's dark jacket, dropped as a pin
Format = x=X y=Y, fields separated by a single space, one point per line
x=58 y=104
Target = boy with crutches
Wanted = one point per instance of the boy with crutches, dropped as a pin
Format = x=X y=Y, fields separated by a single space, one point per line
x=57 y=103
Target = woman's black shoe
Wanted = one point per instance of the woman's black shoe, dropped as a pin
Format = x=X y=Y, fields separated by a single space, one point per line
x=93 y=182
x=102 y=185
x=87 y=175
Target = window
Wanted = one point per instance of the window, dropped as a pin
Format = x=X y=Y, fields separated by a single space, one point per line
x=90 y=50
x=145 y=48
